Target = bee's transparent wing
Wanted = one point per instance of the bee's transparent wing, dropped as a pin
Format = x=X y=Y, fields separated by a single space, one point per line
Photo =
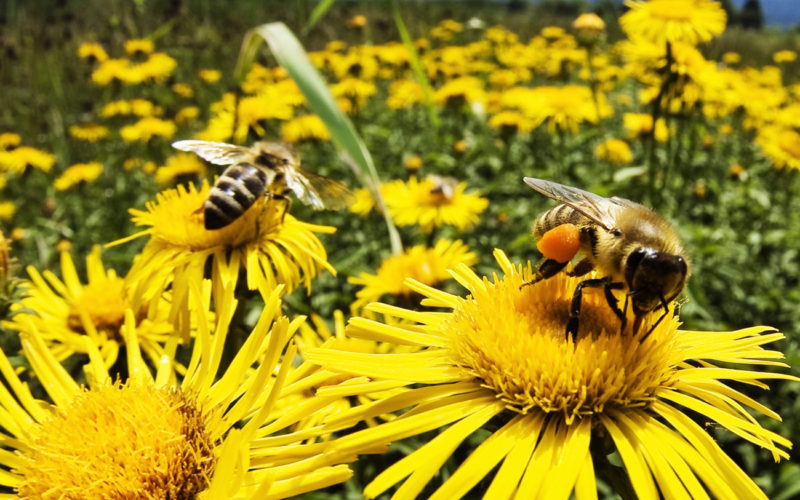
x=319 y=191
x=218 y=153
x=598 y=209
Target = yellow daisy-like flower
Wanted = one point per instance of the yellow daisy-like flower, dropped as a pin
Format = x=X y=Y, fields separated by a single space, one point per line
x=405 y=94
x=9 y=139
x=781 y=146
x=565 y=108
x=304 y=128
x=187 y=114
x=90 y=132
x=670 y=21
x=784 y=56
x=89 y=50
x=510 y=122
x=614 y=151
x=459 y=91
x=17 y=159
x=183 y=89
x=271 y=246
x=589 y=22
x=178 y=165
x=66 y=313
x=142 y=45
x=357 y=21
x=641 y=124
x=502 y=352
x=433 y=202
x=209 y=75
x=7 y=210
x=212 y=433
x=147 y=128
x=731 y=58
x=80 y=172
x=425 y=265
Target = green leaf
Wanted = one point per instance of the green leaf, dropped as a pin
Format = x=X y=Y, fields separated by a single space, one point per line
x=318 y=13
x=416 y=65
x=291 y=55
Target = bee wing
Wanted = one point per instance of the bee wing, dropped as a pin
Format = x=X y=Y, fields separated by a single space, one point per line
x=598 y=209
x=218 y=153
x=319 y=191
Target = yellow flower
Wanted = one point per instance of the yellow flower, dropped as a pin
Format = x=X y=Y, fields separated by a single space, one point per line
x=220 y=125
x=187 y=114
x=781 y=146
x=670 y=21
x=5 y=264
x=433 y=202
x=80 y=172
x=88 y=50
x=271 y=246
x=565 y=108
x=510 y=122
x=357 y=21
x=17 y=159
x=9 y=139
x=142 y=45
x=90 y=132
x=614 y=151
x=355 y=89
x=146 y=128
x=589 y=22
x=183 y=89
x=363 y=202
x=426 y=265
x=67 y=313
x=7 y=210
x=209 y=75
x=404 y=94
x=254 y=109
x=460 y=146
x=413 y=162
x=731 y=58
x=214 y=432
x=304 y=128
x=784 y=56
x=501 y=352
x=641 y=124
x=158 y=67
x=460 y=91
x=110 y=70
x=178 y=165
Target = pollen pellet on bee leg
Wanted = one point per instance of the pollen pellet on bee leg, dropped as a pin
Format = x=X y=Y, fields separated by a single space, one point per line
x=560 y=243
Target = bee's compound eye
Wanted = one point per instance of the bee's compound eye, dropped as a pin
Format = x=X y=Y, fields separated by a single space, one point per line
x=632 y=264
x=616 y=232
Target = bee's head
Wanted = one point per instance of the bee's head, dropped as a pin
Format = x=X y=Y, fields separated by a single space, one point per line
x=653 y=277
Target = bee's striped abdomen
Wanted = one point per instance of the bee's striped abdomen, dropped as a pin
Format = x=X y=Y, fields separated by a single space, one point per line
x=236 y=190
x=556 y=216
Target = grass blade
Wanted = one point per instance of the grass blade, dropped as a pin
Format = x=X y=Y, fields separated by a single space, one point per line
x=318 y=13
x=290 y=54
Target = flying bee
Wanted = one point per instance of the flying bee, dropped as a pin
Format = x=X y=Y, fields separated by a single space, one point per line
x=445 y=186
x=268 y=168
x=632 y=248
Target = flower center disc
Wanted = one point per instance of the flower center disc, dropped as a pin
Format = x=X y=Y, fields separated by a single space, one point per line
x=120 y=441
x=105 y=305
x=514 y=340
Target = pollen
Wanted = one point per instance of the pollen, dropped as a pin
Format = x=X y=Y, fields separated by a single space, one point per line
x=560 y=243
x=513 y=339
x=120 y=441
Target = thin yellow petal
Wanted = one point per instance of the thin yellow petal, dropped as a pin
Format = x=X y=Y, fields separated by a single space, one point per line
x=510 y=473
x=639 y=474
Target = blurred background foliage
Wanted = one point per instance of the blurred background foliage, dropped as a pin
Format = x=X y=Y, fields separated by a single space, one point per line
x=738 y=213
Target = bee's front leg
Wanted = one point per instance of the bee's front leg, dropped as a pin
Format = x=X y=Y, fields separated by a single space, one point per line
x=575 y=305
x=547 y=268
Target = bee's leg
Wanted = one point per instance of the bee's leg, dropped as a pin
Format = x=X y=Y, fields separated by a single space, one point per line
x=547 y=268
x=581 y=268
x=624 y=322
x=666 y=311
x=575 y=305
x=613 y=303
x=287 y=203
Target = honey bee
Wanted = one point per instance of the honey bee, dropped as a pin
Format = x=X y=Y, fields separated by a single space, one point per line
x=268 y=168
x=633 y=249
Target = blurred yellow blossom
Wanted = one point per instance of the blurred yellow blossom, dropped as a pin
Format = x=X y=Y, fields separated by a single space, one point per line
x=90 y=132
x=80 y=172
x=357 y=21
x=9 y=139
x=147 y=128
x=187 y=114
x=784 y=56
x=614 y=151
x=89 y=50
x=179 y=165
x=183 y=89
x=209 y=75
x=305 y=127
x=7 y=211
x=662 y=21
x=142 y=45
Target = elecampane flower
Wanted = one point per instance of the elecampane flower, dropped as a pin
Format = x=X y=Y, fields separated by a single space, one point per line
x=502 y=352
x=159 y=435
x=430 y=204
x=270 y=245
x=425 y=265
x=66 y=313
x=80 y=172
x=663 y=21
